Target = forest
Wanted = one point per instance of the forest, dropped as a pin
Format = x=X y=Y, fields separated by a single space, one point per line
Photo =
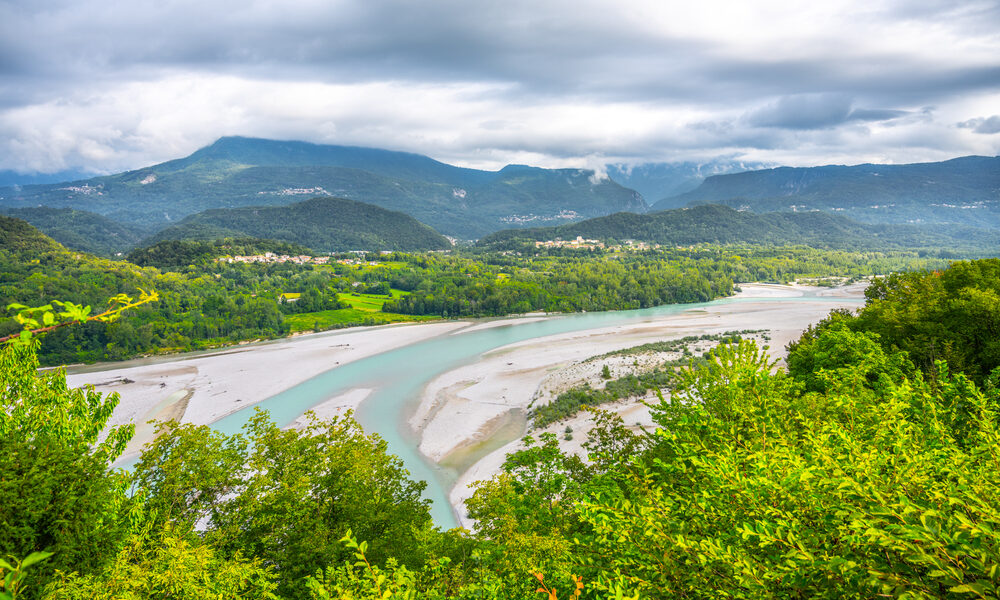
x=205 y=302
x=868 y=468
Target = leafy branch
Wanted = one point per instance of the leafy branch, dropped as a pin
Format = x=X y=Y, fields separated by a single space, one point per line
x=12 y=583
x=551 y=592
x=42 y=319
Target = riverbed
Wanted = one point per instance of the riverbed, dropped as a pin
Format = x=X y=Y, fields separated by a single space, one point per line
x=449 y=397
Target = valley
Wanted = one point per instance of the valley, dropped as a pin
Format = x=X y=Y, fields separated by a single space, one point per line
x=603 y=300
x=563 y=345
x=441 y=394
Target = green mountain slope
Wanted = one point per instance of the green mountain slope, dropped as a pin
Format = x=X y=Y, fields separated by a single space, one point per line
x=82 y=230
x=722 y=225
x=963 y=190
x=323 y=224
x=18 y=239
x=236 y=172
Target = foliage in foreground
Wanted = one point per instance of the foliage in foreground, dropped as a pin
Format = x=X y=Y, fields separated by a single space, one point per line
x=579 y=397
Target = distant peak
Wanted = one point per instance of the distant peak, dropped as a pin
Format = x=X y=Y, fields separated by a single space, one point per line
x=519 y=169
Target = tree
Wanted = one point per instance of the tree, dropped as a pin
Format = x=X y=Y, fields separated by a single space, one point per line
x=57 y=493
x=58 y=497
x=169 y=567
x=287 y=497
x=756 y=489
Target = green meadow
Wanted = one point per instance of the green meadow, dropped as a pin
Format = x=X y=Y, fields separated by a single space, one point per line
x=365 y=309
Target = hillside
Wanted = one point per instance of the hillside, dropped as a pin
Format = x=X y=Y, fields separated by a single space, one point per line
x=716 y=224
x=275 y=153
x=18 y=239
x=323 y=224
x=82 y=230
x=236 y=172
x=963 y=190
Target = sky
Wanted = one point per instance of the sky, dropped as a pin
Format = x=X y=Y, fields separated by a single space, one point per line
x=110 y=85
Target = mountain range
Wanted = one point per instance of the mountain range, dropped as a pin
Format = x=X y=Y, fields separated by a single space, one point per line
x=110 y=214
x=82 y=230
x=960 y=191
x=658 y=181
x=238 y=172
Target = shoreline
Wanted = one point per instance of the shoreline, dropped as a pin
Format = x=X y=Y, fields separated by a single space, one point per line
x=217 y=384
x=464 y=416
x=482 y=413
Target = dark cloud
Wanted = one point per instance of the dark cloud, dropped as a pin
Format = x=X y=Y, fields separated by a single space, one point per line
x=552 y=47
x=985 y=125
x=875 y=114
x=806 y=111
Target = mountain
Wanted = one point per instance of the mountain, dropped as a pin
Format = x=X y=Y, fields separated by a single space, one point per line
x=963 y=190
x=81 y=230
x=716 y=224
x=323 y=224
x=169 y=255
x=656 y=181
x=235 y=172
x=13 y=178
x=237 y=151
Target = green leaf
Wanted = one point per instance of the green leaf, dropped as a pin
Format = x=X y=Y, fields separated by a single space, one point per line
x=35 y=557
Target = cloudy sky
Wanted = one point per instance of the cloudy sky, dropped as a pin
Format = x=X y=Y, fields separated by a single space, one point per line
x=108 y=85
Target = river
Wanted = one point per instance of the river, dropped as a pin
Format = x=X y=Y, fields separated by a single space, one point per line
x=398 y=376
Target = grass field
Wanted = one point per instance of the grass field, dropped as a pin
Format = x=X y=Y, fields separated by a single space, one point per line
x=368 y=302
x=366 y=309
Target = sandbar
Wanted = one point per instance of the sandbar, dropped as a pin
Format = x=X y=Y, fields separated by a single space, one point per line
x=204 y=387
x=472 y=407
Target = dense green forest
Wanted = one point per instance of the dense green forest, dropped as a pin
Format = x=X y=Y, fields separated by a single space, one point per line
x=324 y=224
x=715 y=224
x=205 y=302
x=82 y=230
x=868 y=469
x=565 y=280
x=178 y=254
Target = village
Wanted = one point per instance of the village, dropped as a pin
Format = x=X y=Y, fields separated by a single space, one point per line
x=303 y=259
x=585 y=244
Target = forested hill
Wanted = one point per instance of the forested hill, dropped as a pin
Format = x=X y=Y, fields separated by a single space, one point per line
x=82 y=230
x=20 y=240
x=716 y=224
x=323 y=224
x=236 y=172
x=963 y=190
